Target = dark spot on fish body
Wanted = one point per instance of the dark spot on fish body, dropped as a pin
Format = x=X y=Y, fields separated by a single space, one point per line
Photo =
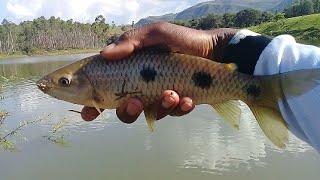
x=202 y=79
x=253 y=90
x=148 y=74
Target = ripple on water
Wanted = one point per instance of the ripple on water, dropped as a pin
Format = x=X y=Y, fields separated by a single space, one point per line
x=217 y=148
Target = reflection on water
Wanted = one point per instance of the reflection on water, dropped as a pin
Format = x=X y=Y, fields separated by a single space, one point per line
x=198 y=145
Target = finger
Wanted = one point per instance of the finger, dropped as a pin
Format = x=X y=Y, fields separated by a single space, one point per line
x=118 y=51
x=89 y=113
x=185 y=106
x=130 y=111
x=169 y=101
x=146 y=36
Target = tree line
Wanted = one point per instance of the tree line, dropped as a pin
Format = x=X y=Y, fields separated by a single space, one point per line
x=244 y=18
x=303 y=7
x=55 y=34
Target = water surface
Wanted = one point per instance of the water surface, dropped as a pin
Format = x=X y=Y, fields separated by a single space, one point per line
x=197 y=146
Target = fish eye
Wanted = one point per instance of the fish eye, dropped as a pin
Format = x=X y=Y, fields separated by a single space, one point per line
x=65 y=82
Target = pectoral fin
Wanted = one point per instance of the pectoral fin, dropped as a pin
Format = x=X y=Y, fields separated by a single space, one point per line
x=150 y=114
x=95 y=105
x=230 y=112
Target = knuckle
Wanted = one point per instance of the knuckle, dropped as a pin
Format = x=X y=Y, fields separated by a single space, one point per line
x=159 y=27
x=161 y=24
x=126 y=36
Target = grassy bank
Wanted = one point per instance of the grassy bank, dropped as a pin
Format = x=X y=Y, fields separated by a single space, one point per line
x=305 y=29
x=49 y=53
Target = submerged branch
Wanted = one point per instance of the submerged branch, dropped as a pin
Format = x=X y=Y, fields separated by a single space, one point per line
x=8 y=145
x=3 y=115
x=56 y=136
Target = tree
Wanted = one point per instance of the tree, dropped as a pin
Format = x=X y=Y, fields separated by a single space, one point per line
x=5 y=22
x=100 y=20
x=316 y=6
x=100 y=27
x=279 y=16
x=113 y=24
x=303 y=7
x=228 y=20
x=266 y=17
x=247 y=17
x=209 y=22
x=306 y=7
x=194 y=23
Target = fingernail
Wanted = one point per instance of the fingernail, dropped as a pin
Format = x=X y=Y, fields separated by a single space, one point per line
x=133 y=109
x=109 y=47
x=167 y=102
x=187 y=105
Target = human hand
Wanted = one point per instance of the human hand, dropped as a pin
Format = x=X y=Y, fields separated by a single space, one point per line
x=207 y=44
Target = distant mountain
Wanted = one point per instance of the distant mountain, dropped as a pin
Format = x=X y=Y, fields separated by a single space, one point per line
x=151 y=19
x=218 y=7
x=282 y=5
x=206 y=8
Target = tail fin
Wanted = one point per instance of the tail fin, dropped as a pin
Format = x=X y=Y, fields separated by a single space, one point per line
x=265 y=107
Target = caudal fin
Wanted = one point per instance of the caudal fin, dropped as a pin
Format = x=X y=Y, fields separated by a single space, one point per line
x=265 y=107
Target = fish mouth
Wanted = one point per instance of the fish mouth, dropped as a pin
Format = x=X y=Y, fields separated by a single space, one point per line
x=44 y=84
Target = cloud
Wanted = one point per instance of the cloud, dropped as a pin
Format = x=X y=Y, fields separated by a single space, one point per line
x=119 y=11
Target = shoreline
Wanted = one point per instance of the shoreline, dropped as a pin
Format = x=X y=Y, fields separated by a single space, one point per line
x=49 y=53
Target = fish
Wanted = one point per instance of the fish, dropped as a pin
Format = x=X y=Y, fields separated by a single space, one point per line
x=102 y=84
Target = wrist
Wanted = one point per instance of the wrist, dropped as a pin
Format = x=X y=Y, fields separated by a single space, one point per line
x=220 y=39
x=244 y=49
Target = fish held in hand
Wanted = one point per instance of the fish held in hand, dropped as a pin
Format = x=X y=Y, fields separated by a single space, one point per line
x=96 y=82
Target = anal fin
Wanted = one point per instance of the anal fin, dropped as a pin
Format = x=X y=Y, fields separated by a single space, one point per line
x=230 y=112
x=150 y=114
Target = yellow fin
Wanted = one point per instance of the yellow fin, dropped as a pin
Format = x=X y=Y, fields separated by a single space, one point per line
x=230 y=112
x=272 y=124
x=95 y=105
x=150 y=115
x=232 y=66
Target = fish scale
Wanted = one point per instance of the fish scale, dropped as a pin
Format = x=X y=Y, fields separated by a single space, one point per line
x=146 y=74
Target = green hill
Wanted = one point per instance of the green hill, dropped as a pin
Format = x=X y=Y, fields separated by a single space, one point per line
x=218 y=7
x=305 y=29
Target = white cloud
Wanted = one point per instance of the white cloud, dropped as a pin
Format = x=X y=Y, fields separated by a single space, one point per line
x=22 y=9
x=120 y=11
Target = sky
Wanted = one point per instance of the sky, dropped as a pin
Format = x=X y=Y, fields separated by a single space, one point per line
x=119 y=11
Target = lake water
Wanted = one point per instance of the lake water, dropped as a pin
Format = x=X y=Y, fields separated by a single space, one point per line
x=197 y=146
